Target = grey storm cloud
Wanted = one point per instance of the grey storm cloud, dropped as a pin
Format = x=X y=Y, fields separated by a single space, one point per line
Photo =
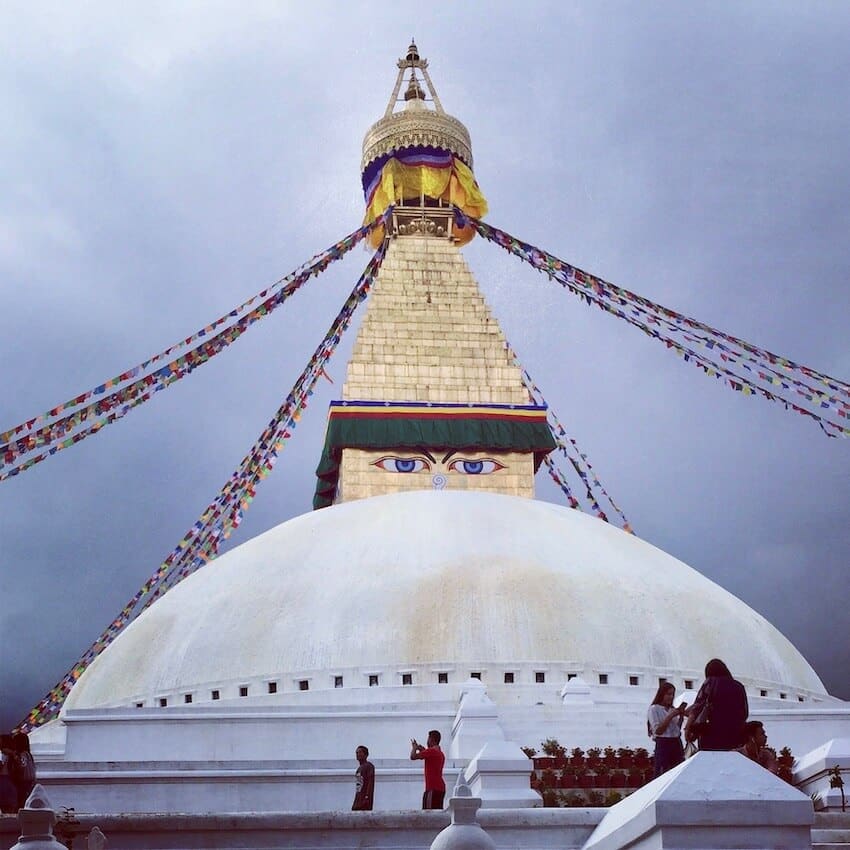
x=160 y=163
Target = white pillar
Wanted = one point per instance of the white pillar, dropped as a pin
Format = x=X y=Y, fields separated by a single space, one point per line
x=500 y=775
x=37 y=818
x=464 y=832
x=476 y=722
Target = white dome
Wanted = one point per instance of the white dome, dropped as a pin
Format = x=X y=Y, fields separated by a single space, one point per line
x=413 y=580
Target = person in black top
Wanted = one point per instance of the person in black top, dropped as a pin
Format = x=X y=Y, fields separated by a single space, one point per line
x=721 y=726
x=364 y=782
x=8 y=792
x=23 y=767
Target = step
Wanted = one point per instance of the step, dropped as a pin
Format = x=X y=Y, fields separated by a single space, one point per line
x=835 y=836
x=832 y=820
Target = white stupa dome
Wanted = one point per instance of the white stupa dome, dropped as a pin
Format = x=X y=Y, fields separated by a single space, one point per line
x=411 y=581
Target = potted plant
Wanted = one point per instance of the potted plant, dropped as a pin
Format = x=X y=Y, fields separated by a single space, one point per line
x=641 y=757
x=548 y=780
x=594 y=754
x=554 y=751
x=610 y=756
x=568 y=779
x=618 y=779
x=625 y=757
x=634 y=778
x=552 y=748
x=837 y=781
x=603 y=775
x=785 y=765
x=577 y=757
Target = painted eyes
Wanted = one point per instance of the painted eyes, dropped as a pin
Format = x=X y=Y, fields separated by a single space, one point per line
x=420 y=464
x=475 y=467
x=402 y=464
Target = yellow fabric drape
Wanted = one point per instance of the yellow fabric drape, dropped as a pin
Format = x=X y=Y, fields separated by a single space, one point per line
x=454 y=185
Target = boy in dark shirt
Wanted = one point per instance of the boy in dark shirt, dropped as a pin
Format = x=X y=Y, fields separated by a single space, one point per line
x=364 y=782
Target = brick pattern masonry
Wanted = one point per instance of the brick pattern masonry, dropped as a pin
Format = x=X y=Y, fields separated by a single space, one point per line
x=428 y=335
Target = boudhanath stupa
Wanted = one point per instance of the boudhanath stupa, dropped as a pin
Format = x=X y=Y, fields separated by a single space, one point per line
x=428 y=588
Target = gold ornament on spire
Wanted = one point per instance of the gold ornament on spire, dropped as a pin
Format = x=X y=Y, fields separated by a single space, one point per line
x=419 y=158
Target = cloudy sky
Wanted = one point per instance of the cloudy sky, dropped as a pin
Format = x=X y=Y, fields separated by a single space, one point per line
x=161 y=162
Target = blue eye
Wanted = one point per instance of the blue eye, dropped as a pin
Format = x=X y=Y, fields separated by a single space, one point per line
x=402 y=464
x=475 y=467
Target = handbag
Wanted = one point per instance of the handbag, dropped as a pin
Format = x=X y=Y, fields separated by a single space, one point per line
x=703 y=718
x=701 y=721
x=691 y=749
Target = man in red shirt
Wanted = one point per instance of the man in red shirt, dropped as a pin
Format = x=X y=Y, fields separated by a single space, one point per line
x=434 y=758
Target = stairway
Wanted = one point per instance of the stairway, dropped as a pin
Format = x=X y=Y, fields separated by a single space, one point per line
x=831 y=831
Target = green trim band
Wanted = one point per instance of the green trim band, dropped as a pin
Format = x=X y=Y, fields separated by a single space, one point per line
x=413 y=432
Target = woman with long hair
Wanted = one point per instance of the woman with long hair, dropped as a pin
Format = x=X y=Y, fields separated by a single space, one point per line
x=664 y=723
x=720 y=710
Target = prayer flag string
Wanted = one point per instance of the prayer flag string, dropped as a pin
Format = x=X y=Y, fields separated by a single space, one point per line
x=56 y=434
x=223 y=515
x=770 y=375
x=569 y=448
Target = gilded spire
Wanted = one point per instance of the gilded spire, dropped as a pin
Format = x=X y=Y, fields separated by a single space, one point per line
x=419 y=156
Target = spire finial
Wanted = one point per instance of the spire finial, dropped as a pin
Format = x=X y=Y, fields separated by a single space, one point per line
x=414 y=90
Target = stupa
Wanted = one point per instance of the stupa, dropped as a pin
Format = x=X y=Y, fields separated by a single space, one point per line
x=428 y=588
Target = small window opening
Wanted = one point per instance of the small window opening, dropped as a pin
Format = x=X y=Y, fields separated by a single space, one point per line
x=603 y=678
x=272 y=687
x=337 y=681
x=539 y=677
x=509 y=678
x=216 y=694
x=163 y=702
x=243 y=690
x=634 y=680
x=442 y=678
x=689 y=684
x=407 y=678
x=140 y=705
x=475 y=676
x=373 y=680
x=187 y=698
x=762 y=693
x=783 y=696
x=571 y=676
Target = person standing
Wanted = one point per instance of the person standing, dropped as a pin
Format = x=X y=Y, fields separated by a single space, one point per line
x=434 y=758
x=664 y=723
x=8 y=792
x=720 y=710
x=364 y=781
x=23 y=767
